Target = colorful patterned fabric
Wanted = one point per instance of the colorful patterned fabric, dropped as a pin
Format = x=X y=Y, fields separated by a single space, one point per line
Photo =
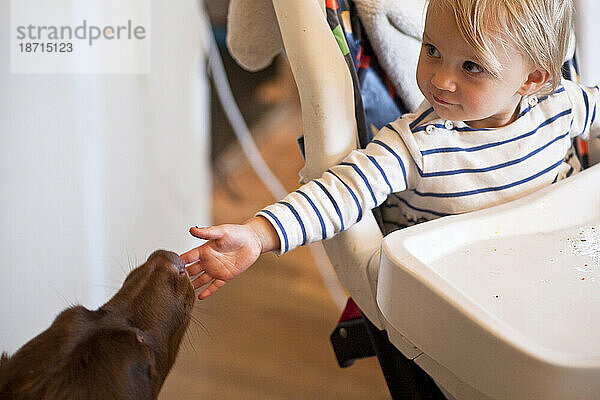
x=376 y=100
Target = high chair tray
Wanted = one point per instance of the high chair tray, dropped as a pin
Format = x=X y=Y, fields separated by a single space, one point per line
x=507 y=298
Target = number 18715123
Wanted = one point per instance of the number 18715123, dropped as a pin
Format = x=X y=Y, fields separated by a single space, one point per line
x=41 y=47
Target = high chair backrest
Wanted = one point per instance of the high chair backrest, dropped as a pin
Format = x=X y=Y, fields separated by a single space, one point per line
x=330 y=133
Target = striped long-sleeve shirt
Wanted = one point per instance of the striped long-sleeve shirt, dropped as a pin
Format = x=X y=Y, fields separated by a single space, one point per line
x=435 y=167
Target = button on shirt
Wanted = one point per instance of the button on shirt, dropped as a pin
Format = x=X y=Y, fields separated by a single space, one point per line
x=532 y=100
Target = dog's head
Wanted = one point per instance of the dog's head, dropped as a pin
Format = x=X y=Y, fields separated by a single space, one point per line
x=123 y=350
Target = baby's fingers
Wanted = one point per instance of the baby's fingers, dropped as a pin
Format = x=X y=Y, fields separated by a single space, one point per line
x=190 y=256
x=199 y=252
x=195 y=268
x=213 y=287
x=201 y=280
x=208 y=233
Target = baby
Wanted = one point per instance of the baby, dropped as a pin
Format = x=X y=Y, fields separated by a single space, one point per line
x=497 y=123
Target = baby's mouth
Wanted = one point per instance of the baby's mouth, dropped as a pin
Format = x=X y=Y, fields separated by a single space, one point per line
x=441 y=101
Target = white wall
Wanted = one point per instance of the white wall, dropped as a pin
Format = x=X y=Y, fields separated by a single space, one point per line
x=588 y=32
x=97 y=171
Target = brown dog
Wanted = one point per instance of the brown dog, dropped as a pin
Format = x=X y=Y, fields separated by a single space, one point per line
x=123 y=350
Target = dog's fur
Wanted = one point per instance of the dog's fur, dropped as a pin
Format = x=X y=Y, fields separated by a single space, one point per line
x=123 y=350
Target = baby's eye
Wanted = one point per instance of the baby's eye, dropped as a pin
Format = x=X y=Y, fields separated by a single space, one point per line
x=432 y=51
x=472 y=67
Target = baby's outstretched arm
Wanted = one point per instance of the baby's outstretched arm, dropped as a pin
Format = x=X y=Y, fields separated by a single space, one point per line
x=316 y=211
x=230 y=250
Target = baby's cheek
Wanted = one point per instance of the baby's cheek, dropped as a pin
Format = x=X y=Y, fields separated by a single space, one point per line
x=479 y=106
x=421 y=80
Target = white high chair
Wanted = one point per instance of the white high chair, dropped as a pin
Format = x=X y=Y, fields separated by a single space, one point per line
x=503 y=303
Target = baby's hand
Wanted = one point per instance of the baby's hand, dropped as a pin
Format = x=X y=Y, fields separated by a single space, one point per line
x=229 y=251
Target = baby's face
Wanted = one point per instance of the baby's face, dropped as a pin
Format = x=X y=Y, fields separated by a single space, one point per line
x=457 y=87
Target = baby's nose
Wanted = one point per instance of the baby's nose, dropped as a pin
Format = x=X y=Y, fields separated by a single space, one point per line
x=444 y=80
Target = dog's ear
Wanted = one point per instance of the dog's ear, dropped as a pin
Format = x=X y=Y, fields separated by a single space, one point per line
x=4 y=359
x=3 y=370
x=111 y=364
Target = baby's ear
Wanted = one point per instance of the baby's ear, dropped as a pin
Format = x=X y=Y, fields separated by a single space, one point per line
x=535 y=81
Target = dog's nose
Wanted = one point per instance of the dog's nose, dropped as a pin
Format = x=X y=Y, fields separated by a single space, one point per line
x=173 y=258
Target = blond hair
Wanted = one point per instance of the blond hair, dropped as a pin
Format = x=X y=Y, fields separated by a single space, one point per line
x=539 y=29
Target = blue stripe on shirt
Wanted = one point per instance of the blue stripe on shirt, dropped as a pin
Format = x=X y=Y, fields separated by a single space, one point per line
x=494 y=167
x=351 y=193
x=285 y=238
x=525 y=111
x=314 y=207
x=423 y=127
x=420 y=118
x=293 y=210
x=388 y=148
x=494 y=144
x=415 y=128
x=372 y=159
x=364 y=178
x=489 y=189
x=587 y=111
x=458 y=129
x=469 y=129
x=335 y=205
x=436 y=213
